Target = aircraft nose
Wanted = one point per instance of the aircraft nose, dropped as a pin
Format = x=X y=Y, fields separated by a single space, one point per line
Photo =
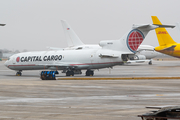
x=6 y=63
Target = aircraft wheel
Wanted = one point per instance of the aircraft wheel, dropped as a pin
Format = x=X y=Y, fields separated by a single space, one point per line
x=18 y=74
x=89 y=73
x=150 y=62
x=69 y=73
x=72 y=73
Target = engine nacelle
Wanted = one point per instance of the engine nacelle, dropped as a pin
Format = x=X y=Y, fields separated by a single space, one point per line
x=105 y=43
x=137 y=57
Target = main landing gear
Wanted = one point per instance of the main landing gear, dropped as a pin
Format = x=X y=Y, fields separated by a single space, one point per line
x=19 y=73
x=49 y=75
x=70 y=73
x=89 y=73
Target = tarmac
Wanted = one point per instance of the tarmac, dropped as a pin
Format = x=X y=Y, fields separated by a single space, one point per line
x=27 y=97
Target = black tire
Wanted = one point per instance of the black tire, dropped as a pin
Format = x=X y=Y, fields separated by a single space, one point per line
x=68 y=73
x=72 y=73
x=91 y=73
x=87 y=73
x=18 y=74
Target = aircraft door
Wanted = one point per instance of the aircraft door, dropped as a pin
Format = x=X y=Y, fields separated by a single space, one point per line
x=93 y=57
x=14 y=60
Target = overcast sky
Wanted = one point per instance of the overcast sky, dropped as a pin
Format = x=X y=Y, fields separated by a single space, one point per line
x=36 y=24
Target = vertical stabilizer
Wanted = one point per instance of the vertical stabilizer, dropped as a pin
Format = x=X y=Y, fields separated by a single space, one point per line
x=72 y=38
x=130 y=42
x=162 y=35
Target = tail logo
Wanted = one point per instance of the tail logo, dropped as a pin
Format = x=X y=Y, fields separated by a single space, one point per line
x=162 y=32
x=134 y=39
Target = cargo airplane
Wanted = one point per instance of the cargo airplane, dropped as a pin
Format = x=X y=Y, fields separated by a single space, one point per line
x=166 y=44
x=108 y=54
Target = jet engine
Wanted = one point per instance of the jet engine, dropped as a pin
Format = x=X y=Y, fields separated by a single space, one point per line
x=137 y=57
x=105 y=43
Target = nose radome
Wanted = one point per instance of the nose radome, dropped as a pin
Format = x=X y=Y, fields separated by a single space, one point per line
x=6 y=63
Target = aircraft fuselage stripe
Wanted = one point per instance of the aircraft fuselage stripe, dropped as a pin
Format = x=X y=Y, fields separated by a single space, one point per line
x=72 y=64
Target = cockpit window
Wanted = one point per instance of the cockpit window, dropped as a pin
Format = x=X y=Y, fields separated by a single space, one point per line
x=8 y=58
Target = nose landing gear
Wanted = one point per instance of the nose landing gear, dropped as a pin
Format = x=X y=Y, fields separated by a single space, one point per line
x=19 y=73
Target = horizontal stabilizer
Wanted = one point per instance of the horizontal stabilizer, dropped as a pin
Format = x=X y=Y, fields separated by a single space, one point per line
x=151 y=27
x=165 y=26
x=169 y=48
x=145 y=26
x=2 y=24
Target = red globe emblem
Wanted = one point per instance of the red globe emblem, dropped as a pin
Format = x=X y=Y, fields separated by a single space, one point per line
x=134 y=39
x=17 y=59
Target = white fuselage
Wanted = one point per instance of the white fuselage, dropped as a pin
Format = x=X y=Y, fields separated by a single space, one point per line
x=62 y=59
